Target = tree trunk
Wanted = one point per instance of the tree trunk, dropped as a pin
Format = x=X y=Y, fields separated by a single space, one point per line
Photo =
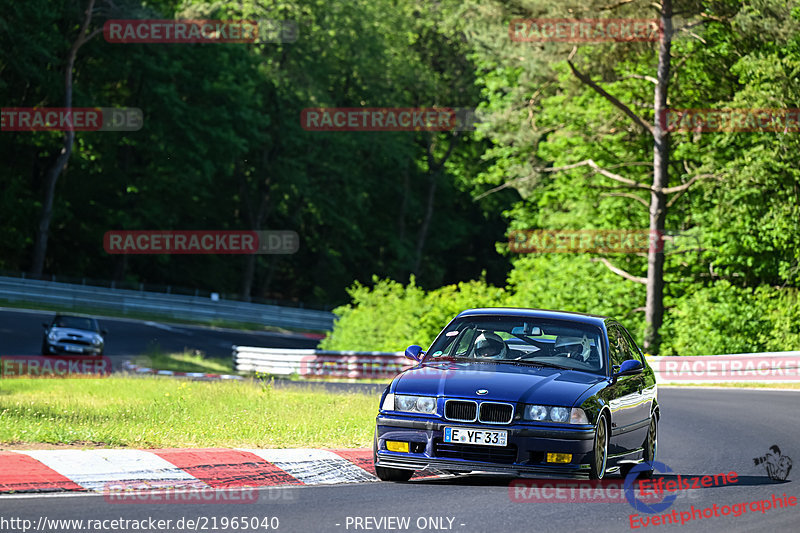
x=54 y=171
x=654 y=306
x=255 y=218
x=426 y=224
x=434 y=169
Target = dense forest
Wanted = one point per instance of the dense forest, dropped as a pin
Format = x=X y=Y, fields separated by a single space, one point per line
x=403 y=229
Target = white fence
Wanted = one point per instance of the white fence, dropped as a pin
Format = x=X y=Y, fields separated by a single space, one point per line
x=319 y=363
x=730 y=368
x=752 y=368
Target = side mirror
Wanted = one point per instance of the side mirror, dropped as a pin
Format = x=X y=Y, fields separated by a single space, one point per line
x=45 y=325
x=629 y=368
x=104 y=332
x=414 y=352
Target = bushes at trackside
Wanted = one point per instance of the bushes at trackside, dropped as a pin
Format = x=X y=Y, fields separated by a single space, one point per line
x=390 y=316
x=717 y=319
x=723 y=318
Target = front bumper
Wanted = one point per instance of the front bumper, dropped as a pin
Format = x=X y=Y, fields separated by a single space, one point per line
x=525 y=453
x=72 y=349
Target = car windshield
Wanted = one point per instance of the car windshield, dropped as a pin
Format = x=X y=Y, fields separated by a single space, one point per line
x=515 y=340
x=76 y=322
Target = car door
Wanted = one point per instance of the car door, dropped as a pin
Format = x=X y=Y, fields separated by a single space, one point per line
x=626 y=398
x=647 y=382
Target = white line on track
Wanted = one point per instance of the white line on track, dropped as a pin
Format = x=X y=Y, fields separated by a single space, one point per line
x=314 y=467
x=97 y=469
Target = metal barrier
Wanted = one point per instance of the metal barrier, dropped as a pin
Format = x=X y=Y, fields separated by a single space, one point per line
x=752 y=368
x=182 y=307
x=319 y=363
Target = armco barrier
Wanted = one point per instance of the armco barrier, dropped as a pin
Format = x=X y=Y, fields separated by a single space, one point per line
x=752 y=368
x=159 y=304
x=319 y=363
x=769 y=367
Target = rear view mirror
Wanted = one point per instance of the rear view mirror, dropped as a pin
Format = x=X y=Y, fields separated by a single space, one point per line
x=528 y=329
x=414 y=352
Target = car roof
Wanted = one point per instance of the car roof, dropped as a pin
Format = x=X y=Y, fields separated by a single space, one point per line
x=522 y=312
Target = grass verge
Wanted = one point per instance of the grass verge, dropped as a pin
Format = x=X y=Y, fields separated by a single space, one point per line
x=149 y=412
x=184 y=362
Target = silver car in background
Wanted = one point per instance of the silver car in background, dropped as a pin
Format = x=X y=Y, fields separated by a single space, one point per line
x=73 y=334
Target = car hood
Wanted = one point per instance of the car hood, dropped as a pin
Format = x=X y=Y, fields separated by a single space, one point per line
x=504 y=382
x=65 y=332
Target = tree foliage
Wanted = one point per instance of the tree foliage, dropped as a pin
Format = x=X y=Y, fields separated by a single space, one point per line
x=223 y=148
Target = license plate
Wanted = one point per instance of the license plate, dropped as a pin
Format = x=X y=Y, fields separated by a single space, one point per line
x=482 y=437
x=69 y=348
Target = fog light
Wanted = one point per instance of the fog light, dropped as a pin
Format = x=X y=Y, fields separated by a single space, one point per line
x=559 y=457
x=395 y=446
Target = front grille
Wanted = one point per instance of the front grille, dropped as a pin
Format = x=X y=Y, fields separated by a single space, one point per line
x=496 y=413
x=460 y=410
x=470 y=452
x=75 y=341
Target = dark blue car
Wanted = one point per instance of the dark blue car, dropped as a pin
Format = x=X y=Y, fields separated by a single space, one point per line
x=521 y=392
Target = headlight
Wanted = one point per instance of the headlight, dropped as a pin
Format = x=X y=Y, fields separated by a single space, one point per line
x=426 y=404
x=405 y=403
x=563 y=415
x=536 y=412
x=97 y=339
x=419 y=404
x=52 y=336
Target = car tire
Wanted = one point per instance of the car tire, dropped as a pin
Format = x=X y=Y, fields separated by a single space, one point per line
x=45 y=349
x=388 y=474
x=597 y=469
x=650 y=446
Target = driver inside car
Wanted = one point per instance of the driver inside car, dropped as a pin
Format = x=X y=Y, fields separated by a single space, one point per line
x=574 y=347
x=490 y=345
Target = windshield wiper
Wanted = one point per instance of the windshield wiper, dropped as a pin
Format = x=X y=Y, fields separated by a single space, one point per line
x=539 y=363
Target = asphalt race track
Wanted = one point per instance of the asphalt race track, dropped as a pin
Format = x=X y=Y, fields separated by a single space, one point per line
x=702 y=432
x=21 y=334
